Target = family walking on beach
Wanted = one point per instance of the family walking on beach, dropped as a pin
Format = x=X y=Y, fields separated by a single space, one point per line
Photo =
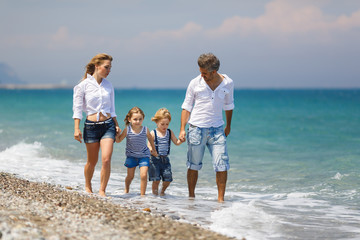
x=206 y=97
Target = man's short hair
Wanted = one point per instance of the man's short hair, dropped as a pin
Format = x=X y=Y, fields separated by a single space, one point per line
x=209 y=62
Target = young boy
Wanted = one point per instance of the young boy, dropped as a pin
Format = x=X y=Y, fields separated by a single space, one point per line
x=160 y=167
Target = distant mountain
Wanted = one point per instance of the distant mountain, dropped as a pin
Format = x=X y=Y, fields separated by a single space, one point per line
x=8 y=75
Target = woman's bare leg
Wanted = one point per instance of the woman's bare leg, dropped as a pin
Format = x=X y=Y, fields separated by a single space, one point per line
x=92 y=159
x=106 y=146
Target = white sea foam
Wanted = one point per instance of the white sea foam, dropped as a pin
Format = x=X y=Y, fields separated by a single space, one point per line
x=32 y=162
x=337 y=176
x=250 y=220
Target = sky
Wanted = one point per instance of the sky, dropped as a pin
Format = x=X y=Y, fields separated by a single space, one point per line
x=155 y=44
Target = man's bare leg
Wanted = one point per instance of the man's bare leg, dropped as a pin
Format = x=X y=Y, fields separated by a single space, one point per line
x=192 y=176
x=221 y=178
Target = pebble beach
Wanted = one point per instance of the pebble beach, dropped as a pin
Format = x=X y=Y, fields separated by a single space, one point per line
x=33 y=210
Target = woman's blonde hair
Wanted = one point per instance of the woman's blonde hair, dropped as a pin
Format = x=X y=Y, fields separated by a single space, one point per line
x=131 y=112
x=161 y=114
x=96 y=60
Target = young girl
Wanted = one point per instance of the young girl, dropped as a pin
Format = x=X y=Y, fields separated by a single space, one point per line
x=160 y=167
x=137 y=152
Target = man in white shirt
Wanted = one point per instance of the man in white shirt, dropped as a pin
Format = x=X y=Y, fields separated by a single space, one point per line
x=206 y=96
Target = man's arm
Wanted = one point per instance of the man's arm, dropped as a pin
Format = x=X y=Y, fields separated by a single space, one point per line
x=228 y=115
x=184 y=119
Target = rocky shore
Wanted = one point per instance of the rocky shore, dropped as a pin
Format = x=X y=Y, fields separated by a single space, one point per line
x=30 y=210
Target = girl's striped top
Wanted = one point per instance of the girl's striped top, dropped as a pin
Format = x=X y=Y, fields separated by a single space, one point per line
x=136 y=144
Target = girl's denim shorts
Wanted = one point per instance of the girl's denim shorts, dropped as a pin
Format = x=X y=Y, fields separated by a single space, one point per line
x=95 y=131
x=131 y=162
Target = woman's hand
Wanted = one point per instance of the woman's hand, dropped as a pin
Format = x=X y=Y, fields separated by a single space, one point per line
x=118 y=130
x=78 y=135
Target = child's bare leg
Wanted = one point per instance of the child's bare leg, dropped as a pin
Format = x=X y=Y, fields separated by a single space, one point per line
x=155 y=187
x=143 y=179
x=129 y=178
x=165 y=184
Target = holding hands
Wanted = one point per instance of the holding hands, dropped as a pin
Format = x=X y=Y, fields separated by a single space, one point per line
x=182 y=136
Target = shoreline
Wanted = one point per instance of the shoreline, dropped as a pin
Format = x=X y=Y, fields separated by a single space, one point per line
x=32 y=210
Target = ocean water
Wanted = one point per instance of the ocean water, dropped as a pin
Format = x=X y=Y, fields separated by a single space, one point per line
x=294 y=156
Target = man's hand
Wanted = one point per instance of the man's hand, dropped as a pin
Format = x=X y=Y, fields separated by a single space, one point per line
x=227 y=131
x=182 y=136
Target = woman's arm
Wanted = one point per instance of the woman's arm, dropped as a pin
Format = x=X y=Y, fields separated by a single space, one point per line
x=77 y=131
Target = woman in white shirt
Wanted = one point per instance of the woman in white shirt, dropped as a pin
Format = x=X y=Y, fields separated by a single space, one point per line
x=95 y=96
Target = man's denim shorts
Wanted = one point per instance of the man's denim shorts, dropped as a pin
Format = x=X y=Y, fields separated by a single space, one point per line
x=131 y=162
x=215 y=140
x=160 y=169
x=95 y=131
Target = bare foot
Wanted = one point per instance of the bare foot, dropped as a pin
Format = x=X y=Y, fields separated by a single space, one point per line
x=162 y=194
x=88 y=190
x=102 y=193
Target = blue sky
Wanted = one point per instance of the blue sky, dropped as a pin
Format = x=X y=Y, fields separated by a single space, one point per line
x=155 y=44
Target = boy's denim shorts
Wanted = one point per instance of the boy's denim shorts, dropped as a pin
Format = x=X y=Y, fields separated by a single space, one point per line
x=215 y=140
x=131 y=162
x=95 y=131
x=160 y=169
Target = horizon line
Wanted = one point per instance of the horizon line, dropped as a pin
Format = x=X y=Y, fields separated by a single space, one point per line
x=62 y=86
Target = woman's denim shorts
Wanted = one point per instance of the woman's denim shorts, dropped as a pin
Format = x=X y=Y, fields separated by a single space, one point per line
x=95 y=131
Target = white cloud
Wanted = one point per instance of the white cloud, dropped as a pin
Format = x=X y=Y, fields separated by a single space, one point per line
x=62 y=39
x=288 y=18
x=59 y=40
x=188 y=30
x=148 y=40
x=283 y=20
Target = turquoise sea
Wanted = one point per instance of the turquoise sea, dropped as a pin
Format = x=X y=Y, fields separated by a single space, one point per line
x=294 y=156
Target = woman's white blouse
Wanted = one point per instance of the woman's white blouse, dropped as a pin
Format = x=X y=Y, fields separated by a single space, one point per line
x=91 y=97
